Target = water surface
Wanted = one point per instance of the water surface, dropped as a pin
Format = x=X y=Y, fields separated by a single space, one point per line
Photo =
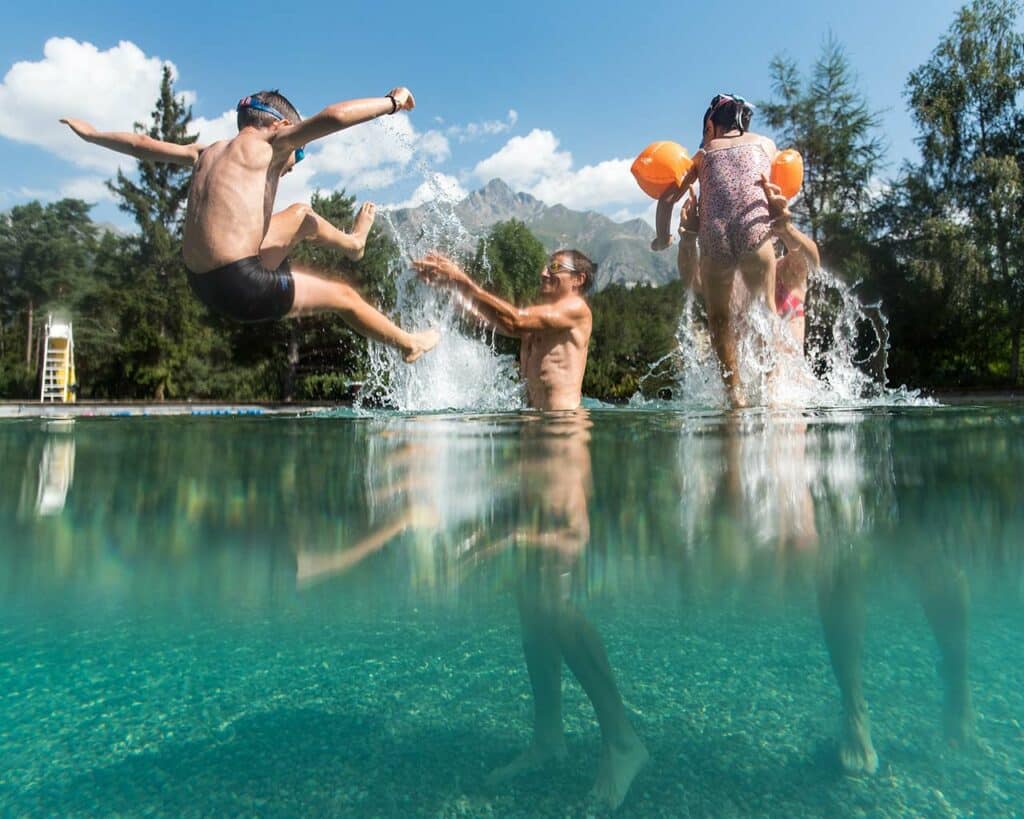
x=328 y=615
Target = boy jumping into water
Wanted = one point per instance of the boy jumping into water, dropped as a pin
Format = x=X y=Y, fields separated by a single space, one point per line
x=236 y=252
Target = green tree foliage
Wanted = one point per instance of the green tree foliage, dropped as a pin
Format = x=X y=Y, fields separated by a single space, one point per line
x=633 y=328
x=508 y=261
x=828 y=120
x=45 y=252
x=966 y=101
x=168 y=351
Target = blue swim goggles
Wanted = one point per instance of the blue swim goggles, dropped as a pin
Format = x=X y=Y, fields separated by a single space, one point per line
x=259 y=105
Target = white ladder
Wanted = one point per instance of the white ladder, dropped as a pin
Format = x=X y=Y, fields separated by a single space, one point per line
x=58 y=363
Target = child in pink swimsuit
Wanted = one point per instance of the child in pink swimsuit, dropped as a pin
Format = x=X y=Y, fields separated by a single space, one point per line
x=735 y=228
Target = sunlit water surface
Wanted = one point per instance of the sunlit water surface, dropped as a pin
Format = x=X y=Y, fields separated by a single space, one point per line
x=328 y=615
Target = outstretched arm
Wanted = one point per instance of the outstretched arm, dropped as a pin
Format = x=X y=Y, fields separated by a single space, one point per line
x=342 y=115
x=505 y=317
x=141 y=146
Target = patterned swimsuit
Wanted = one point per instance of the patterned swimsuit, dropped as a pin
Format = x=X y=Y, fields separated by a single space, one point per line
x=733 y=209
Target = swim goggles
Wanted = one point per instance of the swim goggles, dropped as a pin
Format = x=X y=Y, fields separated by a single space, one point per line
x=258 y=105
x=556 y=266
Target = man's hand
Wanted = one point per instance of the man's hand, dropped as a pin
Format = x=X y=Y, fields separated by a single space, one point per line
x=689 y=220
x=778 y=205
x=80 y=127
x=661 y=242
x=404 y=98
x=437 y=269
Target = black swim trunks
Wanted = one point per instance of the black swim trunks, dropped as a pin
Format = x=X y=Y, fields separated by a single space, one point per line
x=246 y=290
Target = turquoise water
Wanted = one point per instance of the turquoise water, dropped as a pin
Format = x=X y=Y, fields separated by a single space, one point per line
x=331 y=615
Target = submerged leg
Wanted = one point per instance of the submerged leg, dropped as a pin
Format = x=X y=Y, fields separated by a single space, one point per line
x=622 y=752
x=841 y=607
x=544 y=665
x=945 y=598
x=314 y=294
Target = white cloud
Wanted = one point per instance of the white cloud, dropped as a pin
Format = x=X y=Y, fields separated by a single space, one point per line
x=214 y=130
x=437 y=186
x=525 y=161
x=475 y=130
x=534 y=164
x=112 y=89
x=374 y=156
x=88 y=188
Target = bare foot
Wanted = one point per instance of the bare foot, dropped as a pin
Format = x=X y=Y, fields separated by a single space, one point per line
x=856 y=753
x=533 y=758
x=422 y=342
x=619 y=767
x=958 y=723
x=361 y=229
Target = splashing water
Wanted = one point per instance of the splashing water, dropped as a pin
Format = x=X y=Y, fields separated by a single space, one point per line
x=464 y=371
x=844 y=367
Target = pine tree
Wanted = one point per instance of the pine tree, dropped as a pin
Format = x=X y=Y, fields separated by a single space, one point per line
x=828 y=120
x=168 y=345
x=967 y=102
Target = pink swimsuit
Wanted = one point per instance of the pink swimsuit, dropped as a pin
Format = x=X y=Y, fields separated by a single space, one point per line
x=787 y=303
x=733 y=209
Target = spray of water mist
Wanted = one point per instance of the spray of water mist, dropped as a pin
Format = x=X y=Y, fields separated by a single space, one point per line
x=464 y=371
x=843 y=368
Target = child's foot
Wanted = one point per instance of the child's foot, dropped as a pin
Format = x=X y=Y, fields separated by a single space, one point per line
x=361 y=229
x=422 y=342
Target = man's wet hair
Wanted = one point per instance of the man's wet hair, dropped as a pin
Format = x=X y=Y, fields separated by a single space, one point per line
x=251 y=111
x=582 y=263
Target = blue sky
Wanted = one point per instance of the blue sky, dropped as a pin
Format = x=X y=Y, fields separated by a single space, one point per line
x=557 y=97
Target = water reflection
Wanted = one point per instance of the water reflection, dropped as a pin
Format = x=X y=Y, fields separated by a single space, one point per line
x=50 y=472
x=706 y=569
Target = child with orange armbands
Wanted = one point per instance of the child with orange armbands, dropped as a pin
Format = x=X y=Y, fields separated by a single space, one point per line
x=735 y=227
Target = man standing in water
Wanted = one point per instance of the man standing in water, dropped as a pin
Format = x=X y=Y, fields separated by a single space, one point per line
x=554 y=524
x=554 y=333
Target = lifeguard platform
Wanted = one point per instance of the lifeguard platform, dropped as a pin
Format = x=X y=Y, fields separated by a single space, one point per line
x=58 y=381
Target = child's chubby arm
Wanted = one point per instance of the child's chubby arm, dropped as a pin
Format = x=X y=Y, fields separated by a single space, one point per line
x=339 y=116
x=141 y=146
x=663 y=217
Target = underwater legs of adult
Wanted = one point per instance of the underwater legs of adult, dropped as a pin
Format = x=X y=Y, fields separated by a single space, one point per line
x=622 y=752
x=544 y=665
x=841 y=607
x=945 y=598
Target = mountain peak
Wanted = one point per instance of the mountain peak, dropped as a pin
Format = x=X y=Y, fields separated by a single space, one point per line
x=621 y=251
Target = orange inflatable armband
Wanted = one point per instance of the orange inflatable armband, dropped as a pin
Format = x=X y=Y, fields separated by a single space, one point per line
x=660 y=165
x=788 y=172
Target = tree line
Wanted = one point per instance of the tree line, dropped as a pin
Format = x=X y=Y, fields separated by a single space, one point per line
x=937 y=243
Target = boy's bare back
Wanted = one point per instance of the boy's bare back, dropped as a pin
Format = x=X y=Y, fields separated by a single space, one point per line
x=231 y=200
